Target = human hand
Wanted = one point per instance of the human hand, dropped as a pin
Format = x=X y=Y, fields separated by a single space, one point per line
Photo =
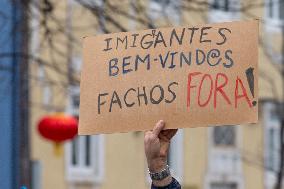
x=157 y=143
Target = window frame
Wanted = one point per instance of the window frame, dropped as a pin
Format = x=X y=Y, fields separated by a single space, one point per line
x=274 y=23
x=226 y=146
x=217 y=152
x=94 y=173
x=83 y=174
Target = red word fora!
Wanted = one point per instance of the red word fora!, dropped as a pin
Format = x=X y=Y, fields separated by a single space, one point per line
x=198 y=81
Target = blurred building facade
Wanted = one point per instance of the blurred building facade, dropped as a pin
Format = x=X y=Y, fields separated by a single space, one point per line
x=231 y=157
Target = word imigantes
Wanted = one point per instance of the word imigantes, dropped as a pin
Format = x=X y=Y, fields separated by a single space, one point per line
x=157 y=38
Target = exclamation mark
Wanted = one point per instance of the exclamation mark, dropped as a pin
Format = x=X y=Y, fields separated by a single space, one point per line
x=250 y=79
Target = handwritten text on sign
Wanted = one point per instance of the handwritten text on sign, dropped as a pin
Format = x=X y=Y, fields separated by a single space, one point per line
x=188 y=76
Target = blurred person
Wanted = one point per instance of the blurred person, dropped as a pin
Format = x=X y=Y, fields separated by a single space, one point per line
x=157 y=143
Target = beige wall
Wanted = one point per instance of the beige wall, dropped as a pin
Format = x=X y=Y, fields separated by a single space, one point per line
x=125 y=162
x=195 y=157
x=252 y=155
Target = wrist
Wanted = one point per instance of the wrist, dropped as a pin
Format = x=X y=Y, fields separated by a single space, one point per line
x=162 y=177
x=157 y=164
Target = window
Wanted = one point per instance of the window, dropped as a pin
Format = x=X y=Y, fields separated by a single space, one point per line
x=169 y=10
x=224 y=10
x=271 y=142
x=224 y=159
x=34 y=39
x=272 y=138
x=224 y=186
x=84 y=154
x=41 y=73
x=225 y=5
x=272 y=149
x=275 y=10
x=223 y=151
x=84 y=159
x=47 y=95
x=224 y=136
x=274 y=15
x=76 y=64
x=97 y=3
x=36 y=181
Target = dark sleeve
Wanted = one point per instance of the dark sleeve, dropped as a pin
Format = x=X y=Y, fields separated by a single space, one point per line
x=173 y=185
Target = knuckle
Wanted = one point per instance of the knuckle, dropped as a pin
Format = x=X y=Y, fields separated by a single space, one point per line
x=152 y=138
x=149 y=138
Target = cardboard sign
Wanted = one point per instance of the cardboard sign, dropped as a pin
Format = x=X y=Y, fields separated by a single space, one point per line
x=187 y=76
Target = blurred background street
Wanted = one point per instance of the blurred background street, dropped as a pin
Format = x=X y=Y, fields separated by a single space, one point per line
x=40 y=63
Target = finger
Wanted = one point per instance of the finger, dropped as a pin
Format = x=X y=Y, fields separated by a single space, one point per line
x=146 y=133
x=159 y=127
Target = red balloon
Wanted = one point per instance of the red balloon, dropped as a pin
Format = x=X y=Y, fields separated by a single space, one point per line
x=58 y=127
